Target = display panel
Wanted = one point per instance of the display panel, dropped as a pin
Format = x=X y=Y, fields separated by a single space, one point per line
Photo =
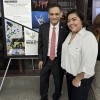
x=21 y=21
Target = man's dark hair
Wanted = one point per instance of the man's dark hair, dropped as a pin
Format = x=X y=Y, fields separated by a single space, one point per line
x=54 y=5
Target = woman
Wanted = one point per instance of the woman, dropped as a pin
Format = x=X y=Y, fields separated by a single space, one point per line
x=79 y=53
x=96 y=80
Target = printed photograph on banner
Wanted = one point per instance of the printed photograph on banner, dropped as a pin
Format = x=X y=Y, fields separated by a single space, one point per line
x=39 y=18
x=13 y=30
x=40 y=5
x=31 y=42
x=18 y=48
x=14 y=33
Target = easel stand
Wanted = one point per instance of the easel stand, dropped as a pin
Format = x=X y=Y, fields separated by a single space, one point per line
x=8 y=67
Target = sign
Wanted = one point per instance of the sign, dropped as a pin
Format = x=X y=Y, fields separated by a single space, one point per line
x=21 y=21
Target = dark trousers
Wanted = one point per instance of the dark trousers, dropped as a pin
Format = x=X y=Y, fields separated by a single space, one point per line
x=57 y=72
x=78 y=93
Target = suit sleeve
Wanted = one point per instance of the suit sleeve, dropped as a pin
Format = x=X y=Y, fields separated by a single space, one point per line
x=40 y=45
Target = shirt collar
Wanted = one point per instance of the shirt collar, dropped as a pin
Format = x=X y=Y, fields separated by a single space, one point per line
x=56 y=26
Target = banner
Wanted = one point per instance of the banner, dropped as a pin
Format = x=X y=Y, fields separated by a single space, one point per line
x=21 y=21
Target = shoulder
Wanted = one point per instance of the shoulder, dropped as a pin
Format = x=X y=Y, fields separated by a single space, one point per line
x=62 y=24
x=89 y=36
x=85 y=33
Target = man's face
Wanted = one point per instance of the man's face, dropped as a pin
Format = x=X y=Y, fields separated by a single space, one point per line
x=54 y=14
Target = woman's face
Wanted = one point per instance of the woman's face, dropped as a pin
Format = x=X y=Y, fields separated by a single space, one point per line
x=74 y=23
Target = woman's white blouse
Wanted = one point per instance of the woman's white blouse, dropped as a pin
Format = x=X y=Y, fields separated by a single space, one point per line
x=80 y=55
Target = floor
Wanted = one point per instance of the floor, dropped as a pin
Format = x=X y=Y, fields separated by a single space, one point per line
x=26 y=88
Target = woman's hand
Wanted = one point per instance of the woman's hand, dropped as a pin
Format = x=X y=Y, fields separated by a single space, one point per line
x=76 y=83
x=77 y=80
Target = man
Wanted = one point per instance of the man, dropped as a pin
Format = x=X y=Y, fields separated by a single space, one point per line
x=51 y=37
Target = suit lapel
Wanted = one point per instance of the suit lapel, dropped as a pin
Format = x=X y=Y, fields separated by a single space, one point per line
x=47 y=35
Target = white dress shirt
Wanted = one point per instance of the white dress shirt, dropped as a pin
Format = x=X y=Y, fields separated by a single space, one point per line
x=50 y=35
x=80 y=55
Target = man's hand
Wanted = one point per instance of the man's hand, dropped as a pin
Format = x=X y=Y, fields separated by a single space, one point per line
x=40 y=64
x=76 y=82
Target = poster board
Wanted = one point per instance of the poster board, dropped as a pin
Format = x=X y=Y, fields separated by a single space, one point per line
x=21 y=21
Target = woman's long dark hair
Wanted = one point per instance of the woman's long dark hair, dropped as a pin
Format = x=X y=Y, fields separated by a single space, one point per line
x=96 y=27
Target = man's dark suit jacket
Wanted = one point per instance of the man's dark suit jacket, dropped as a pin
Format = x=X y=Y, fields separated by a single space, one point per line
x=44 y=39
